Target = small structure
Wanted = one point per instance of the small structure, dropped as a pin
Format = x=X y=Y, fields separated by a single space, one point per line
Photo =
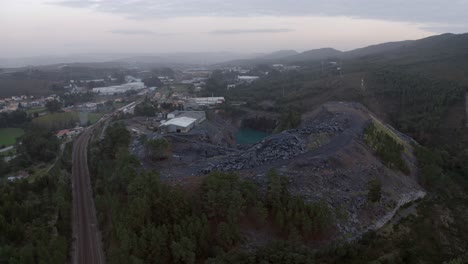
x=204 y=102
x=69 y=133
x=62 y=133
x=179 y=125
x=20 y=175
x=246 y=78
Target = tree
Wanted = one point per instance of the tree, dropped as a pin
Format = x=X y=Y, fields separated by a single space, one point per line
x=145 y=109
x=375 y=190
x=289 y=119
x=38 y=144
x=158 y=149
x=53 y=106
x=183 y=251
x=228 y=235
x=152 y=82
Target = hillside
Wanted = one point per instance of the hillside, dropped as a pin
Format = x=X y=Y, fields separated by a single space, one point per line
x=316 y=54
x=434 y=48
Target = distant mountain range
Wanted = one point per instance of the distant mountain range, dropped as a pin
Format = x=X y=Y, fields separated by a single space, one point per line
x=128 y=59
x=440 y=46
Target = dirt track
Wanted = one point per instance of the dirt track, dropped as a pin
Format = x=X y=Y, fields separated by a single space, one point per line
x=87 y=244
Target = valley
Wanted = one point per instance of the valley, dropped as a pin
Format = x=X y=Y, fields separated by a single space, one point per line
x=319 y=156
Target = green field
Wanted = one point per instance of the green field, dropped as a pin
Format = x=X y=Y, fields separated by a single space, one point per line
x=36 y=110
x=8 y=136
x=94 y=117
x=57 y=121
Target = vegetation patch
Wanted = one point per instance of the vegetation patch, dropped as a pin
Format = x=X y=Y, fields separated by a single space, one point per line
x=317 y=140
x=9 y=135
x=57 y=121
x=388 y=149
x=36 y=110
x=158 y=149
x=289 y=119
x=35 y=217
x=94 y=117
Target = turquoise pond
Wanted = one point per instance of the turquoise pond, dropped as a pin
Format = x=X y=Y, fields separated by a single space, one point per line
x=249 y=136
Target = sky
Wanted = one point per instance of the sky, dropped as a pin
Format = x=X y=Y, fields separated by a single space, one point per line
x=61 y=27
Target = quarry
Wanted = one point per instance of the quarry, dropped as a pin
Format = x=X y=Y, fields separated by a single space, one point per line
x=324 y=159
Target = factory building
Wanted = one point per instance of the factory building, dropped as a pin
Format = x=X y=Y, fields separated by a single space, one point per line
x=117 y=89
x=178 y=125
x=182 y=121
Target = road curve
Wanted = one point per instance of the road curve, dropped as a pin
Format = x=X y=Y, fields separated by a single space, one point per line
x=87 y=243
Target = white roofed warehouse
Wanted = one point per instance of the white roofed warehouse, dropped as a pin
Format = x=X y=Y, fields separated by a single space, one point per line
x=179 y=125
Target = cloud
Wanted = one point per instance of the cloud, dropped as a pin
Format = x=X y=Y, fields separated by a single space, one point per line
x=76 y=3
x=416 y=11
x=133 y=32
x=250 y=31
x=139 y=32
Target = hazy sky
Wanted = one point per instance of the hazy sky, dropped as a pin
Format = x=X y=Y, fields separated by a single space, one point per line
x=44 y=27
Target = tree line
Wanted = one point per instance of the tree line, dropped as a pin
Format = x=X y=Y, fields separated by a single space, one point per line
x=35 y=216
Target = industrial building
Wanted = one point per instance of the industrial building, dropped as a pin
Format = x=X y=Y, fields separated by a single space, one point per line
x=117 y=89
x=182 y=121
x=246 y=78
x=179 y=125
x=198 y=102
x=200 y=116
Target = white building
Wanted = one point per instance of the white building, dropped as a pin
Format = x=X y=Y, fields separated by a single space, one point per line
x=206 y=101
x=247 y=78
x=119 y=88
x=179 y=124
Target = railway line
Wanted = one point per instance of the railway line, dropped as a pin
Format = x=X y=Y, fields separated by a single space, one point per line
x=87 y=242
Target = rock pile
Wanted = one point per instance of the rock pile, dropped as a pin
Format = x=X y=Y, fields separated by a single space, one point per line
x=330 y=123
x=282 y=146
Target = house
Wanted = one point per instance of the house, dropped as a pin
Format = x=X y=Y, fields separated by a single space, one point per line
x=20 y=175
x=69 y=132
x=87 y=107
x=179 y=125
x=62 y=133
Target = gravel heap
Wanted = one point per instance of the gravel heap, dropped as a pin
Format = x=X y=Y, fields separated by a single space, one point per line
x=282 y=146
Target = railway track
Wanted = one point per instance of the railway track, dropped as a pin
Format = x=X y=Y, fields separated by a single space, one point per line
x=87 y=243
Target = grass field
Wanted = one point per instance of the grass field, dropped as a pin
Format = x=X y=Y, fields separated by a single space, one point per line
x=8 y=135
x=57 y=121
x=94 y=117
x=36 y=110
x=180 y=88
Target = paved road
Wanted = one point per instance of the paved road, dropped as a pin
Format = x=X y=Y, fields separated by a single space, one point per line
x=87 y=246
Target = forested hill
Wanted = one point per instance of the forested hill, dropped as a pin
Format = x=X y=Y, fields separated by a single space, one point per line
x=432 y=48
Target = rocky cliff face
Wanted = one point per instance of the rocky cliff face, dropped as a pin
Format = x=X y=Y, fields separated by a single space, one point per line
x=327 y=159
